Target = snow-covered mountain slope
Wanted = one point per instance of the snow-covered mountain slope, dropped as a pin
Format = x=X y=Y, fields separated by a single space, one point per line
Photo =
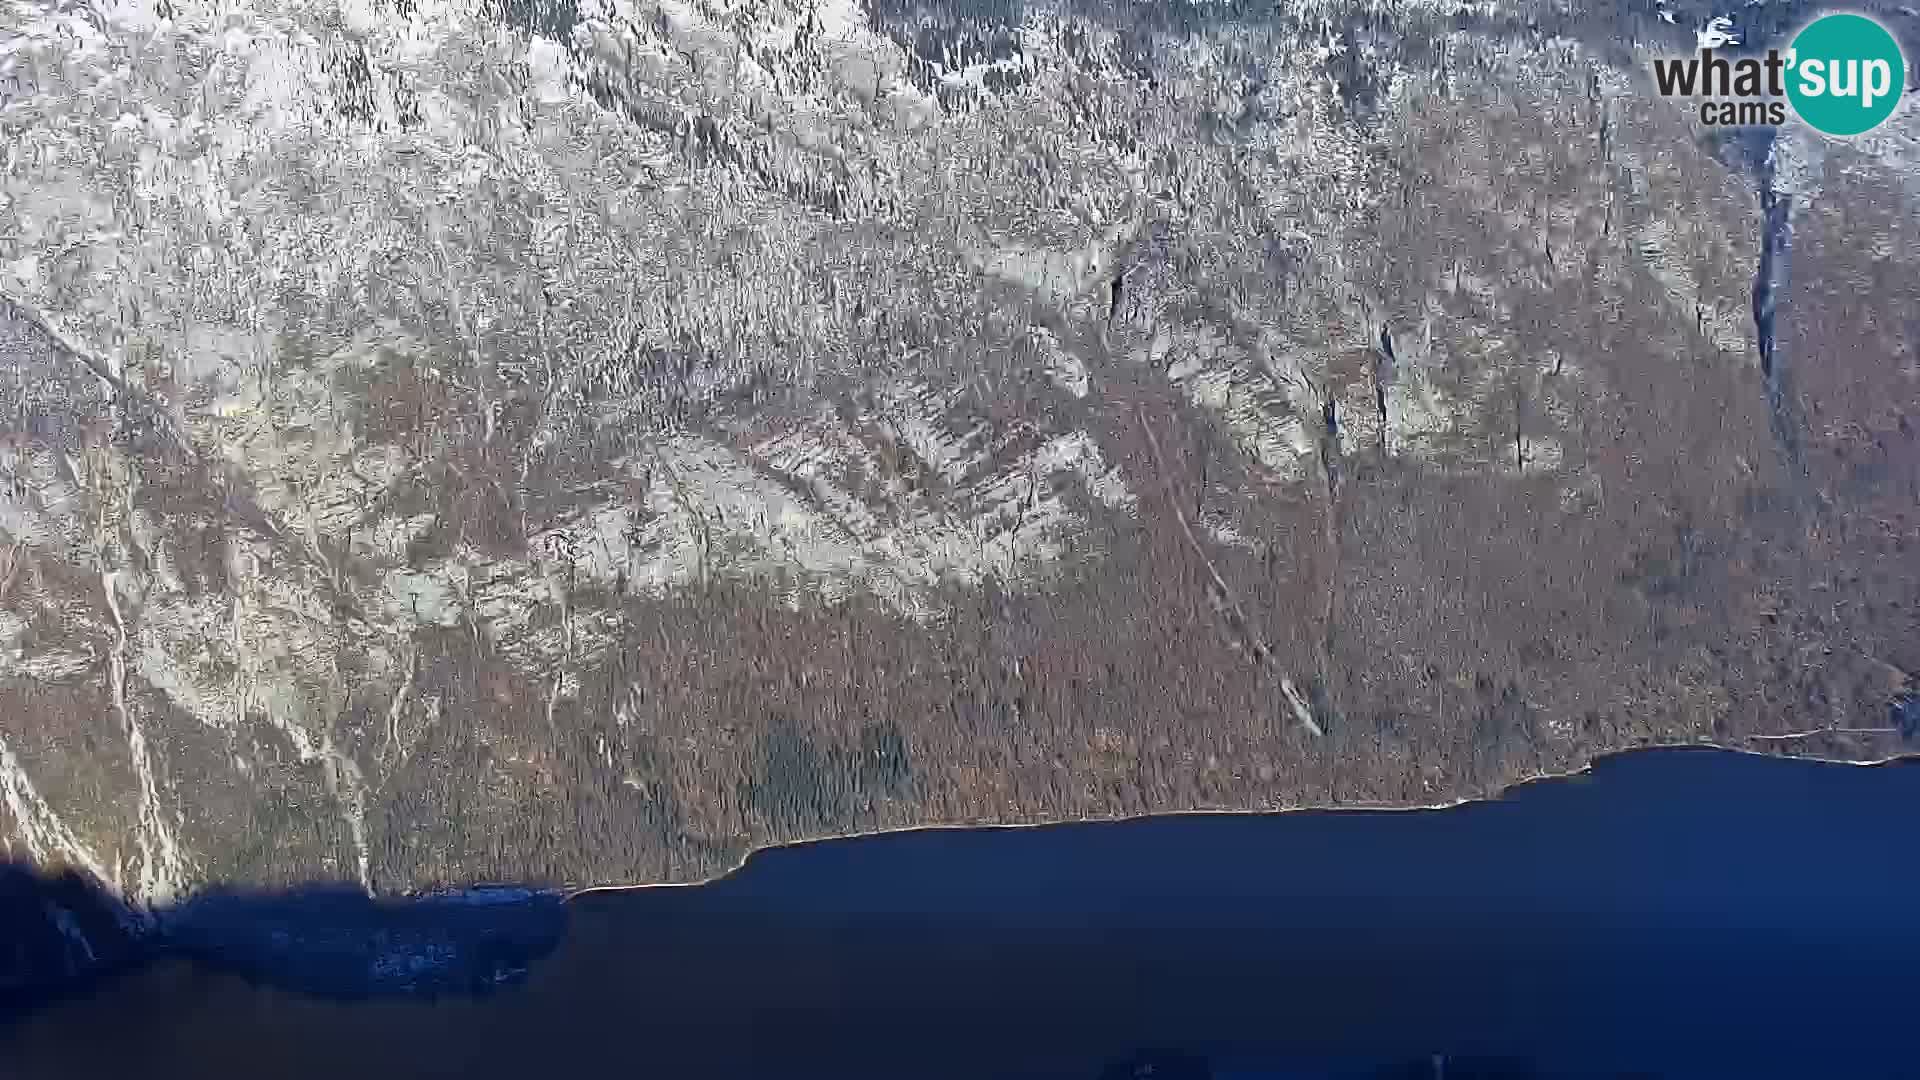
x=522 y=437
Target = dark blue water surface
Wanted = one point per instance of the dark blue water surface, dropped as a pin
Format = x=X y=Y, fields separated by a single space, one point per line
x=1681 y=912
x=1673 y=837
x=1674 y=913
x=335 y=941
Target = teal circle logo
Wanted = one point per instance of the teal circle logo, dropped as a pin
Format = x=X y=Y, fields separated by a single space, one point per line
x=1845 y=74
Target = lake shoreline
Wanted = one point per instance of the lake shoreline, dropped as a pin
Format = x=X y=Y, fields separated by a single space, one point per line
x=1666 y=903
x=571 y=893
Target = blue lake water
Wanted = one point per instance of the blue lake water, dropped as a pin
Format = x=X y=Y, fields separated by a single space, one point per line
x=1673 y=913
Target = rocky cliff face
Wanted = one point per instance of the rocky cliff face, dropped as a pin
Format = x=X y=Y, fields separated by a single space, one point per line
x=582 y=441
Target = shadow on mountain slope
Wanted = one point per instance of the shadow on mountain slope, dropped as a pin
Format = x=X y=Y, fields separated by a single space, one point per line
x=68 y=937
x=1640 y=916
x=61 y=932
x=325 y=940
